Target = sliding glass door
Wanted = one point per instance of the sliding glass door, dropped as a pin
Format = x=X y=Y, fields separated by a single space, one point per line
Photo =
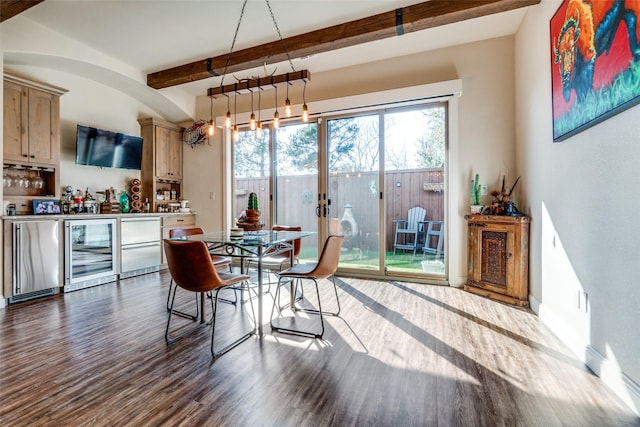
x=295 y=178
x=353 y=188
x=377 y=177
x=414 y=166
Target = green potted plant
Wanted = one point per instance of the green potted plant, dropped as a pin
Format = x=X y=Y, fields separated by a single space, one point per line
x=253 y=211
x=476 y=206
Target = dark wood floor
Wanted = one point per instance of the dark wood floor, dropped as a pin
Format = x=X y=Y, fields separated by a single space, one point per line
x=399 y=355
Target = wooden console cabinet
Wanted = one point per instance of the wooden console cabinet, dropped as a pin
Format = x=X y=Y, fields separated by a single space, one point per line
x=499 y=258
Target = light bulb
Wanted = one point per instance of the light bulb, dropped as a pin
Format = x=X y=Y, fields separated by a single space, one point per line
x=252 y=122
x=227 y=121
x=236 y=133
x=305 y=113
x=259 y=130
x=287 y=107
x=211 y=128
x=276 y=120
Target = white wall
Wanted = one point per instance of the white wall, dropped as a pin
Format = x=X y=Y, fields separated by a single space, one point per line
x=584 y=238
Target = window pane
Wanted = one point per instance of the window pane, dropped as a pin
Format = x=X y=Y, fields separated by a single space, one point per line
x=251 y=172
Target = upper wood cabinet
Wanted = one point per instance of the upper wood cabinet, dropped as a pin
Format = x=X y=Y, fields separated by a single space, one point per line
x=499 y=257
x=161 y=162
x=168 y=148
x=31 y=121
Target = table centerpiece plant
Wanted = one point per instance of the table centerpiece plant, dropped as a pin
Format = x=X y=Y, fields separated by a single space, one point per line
x=250 y=219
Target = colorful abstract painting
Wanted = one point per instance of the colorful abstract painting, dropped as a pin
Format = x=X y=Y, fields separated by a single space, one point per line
x=595 y=62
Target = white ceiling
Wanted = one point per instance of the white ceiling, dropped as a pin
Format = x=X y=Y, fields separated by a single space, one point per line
x=152 y=35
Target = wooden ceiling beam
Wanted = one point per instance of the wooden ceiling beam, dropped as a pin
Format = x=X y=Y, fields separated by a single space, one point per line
x=408 y=19
x=11 y=8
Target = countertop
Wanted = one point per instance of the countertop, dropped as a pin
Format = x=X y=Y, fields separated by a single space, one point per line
x=92 y=216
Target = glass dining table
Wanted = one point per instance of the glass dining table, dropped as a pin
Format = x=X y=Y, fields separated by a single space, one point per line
x=254 y=245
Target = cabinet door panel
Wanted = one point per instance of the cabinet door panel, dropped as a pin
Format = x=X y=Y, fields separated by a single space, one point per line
x=43 y=109
x=16 y=111
x=497 y=261
x=162 y=153
x=175 y=154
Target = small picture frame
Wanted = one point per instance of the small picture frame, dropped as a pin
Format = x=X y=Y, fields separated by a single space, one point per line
x=46 y=207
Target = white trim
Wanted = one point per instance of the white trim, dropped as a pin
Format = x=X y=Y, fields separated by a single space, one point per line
x=610 y=374
x=431 y=92
x=45 y=87
x=607 y=370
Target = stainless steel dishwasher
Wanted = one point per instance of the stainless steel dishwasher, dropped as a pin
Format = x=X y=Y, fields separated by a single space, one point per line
x=36 y=261
x=140 y=249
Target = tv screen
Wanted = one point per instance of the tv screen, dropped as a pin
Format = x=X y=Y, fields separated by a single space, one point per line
x=99 y=147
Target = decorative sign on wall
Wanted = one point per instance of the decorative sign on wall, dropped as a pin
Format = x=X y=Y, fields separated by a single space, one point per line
x=196 y=133
x=595 y=63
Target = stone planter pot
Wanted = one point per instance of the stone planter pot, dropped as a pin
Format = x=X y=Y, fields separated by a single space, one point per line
x=476 y=209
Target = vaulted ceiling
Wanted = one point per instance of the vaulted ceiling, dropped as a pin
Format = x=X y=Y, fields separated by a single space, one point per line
x=170 y=41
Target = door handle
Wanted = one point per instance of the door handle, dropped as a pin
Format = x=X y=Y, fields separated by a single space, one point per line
x=318 y=211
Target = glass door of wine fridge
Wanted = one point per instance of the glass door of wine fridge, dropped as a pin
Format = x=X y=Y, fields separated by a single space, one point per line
x=90 y=253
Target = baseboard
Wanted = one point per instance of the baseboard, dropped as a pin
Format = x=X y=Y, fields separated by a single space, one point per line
x=623 y=386
x=608 y=371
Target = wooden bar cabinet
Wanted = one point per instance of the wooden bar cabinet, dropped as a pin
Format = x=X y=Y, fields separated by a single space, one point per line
x=499 y=258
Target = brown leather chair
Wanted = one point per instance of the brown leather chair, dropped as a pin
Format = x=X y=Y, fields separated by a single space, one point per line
x=191 y=269
x=325 y=268
x=276 y=263
x=218 y=261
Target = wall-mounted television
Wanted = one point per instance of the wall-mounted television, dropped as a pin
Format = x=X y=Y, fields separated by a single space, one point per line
x=99 y=147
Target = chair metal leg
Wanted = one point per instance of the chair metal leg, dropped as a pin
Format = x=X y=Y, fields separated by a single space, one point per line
x=238 y=341
x=177 y=312
x=227 y=301
x=173 y=339
x=319 y=311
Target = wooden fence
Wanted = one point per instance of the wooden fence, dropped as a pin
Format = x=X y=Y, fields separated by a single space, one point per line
x=403 y=190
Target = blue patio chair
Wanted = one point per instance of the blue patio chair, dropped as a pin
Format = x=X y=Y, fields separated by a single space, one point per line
x=408 y=230
x=435 y=231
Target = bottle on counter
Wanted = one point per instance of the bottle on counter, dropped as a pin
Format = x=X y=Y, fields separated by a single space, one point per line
x=124 y=202
x=146 y=208
x=89 y=203
x=77 y=201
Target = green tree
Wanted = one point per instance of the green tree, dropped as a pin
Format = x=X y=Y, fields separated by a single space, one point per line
x=350 y=145
x=431 y=145
x=300 y=150
x=251 y=155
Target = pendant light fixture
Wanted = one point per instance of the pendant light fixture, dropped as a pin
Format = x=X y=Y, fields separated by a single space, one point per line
x=227 y=121
x=276 y=116
x=259 y=124
x=252 y=119
x=305 y=110
x=258 y=83
x=211 y=129
x=236 y=132
x=287 y=102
